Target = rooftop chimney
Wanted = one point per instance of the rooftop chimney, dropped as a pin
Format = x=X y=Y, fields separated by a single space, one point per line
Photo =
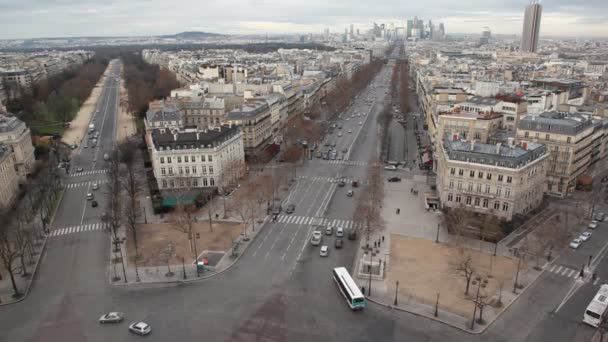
x=473 y=145
x=524 y=145
x=511 y=141
x=498 y=145
x=454 y=137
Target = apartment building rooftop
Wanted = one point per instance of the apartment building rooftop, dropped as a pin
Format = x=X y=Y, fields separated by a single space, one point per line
x=168 y=112
x=249 y=109
x=513 y=156
x=173 y=139
x=556 y=122
x=10 y=123
x=471 y=115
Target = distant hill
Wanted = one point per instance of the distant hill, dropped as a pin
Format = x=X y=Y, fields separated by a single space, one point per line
x=192 y=35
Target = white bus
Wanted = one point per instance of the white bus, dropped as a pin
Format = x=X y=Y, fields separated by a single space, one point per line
x=597 y=308
x=349 y=289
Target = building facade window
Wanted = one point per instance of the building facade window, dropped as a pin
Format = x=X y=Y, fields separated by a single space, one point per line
x=170 y=170
x=480 y=174
x=509 y=179
x=472 y=173
x=163 y=171
x=461 y=172
x=162 y=160
x=458 y=198
x=469 y=200
x=459 y=185
x=500 y=178
x=485 y=202
x=477 y=201
x=488 y=176
x=488 y=187
x=505 y=206
x=450 y=197
x=470 y=187
x=497 y=205
x=451 y=186
x=453 y=171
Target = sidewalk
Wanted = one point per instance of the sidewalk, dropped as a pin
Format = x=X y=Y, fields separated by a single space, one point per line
x=415 y=223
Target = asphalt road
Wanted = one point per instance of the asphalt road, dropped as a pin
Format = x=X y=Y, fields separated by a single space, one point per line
x=281 y=289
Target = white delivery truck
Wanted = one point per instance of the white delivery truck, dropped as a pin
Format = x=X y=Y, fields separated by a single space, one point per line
x=91 y=128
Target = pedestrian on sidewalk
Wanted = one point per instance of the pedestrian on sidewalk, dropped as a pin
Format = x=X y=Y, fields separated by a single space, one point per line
x=398 y=211
x=382 y=238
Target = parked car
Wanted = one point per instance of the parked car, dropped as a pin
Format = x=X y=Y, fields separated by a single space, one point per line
x=324 y=250
x=329 y=230
x=574 y=244
x=599 y=217
x=593 y=224
x=290 y=208
x=140 y=328
x=585 y=236
x=394 y=179
x=338 y=243
x=111 y=317
x=390 y=167
x=315 y=240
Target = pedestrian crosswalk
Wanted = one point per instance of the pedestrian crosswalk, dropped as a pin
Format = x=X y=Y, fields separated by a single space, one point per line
x=88 y=173
x=321 y=221
x=85 y=184
x=330 y=179
x=346 y=162
x=562 y=271
x=77 y=229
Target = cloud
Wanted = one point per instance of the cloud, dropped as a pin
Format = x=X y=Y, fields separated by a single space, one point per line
x=36 y=18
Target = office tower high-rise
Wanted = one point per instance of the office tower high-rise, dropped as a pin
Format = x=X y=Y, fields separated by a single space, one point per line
x=431 y=30
x=529 y=36
x=410 y=25
x=352 y=30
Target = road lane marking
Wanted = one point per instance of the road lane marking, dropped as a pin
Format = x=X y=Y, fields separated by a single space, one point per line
x=558 y=270
x=552 y=268
x=572 y=272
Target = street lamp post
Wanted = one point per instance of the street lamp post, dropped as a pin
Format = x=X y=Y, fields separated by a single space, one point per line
x=369 y=269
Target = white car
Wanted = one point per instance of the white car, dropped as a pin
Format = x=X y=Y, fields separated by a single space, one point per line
x=340 y=232
x=360 y=123
x=323 y=251
x=347 y=119
x=593 y=224
x=89 y=196
x=112 y=317
x=350 y=131
x=315 y=240
x=329 y=230
x=574 y=244
x=390 y=167
x=585 y=236
x=340 y=134
x=140 y=328
x=95 y=186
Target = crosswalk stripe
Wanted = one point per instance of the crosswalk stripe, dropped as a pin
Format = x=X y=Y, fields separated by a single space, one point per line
x=596 y=280
x=551 y=270
x=572 y=272
x=564 y=271
x=558 y=270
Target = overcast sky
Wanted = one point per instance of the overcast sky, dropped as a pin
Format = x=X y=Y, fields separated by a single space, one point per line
x=60 y=18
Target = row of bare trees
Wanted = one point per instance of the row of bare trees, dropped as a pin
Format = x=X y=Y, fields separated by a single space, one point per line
x=26 y=220
x=123 y=191
x=369 y=206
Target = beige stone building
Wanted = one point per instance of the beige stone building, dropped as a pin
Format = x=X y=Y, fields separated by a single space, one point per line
x=15 y=134
x=254 y=119
x=569 y=139
x=490 y=179
x=8 y=176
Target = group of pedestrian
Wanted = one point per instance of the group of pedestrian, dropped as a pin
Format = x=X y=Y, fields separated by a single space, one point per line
x=378 y=242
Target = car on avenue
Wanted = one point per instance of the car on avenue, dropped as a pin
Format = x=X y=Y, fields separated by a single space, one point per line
x=360 y=122
x=585 y=236
x=352 y=234
x=90 y=196
x=79 y=169
x=574 y=244
x=324 y=251
x=350 y=131
x=140 y=328
x=111 y=317
x=329 y=230
x=593 y=224
x=338 y=243
x=350 y=193
x=95 y=186
x=355 y=183
x=394 y=179
x=339 y=232
x=315 y=240
x=390 y=167
x=341 y=183
x=290 y=208
x=94 y=204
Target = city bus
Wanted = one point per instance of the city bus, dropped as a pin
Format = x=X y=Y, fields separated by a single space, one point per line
x=349 y=289
x=597 y=308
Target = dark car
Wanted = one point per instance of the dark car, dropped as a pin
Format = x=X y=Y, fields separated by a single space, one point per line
x=355 y=183
x=352 y=234
x=341 y=183
x=94 y=204
x=338 y=243
x=394 y=179
x=276 y=210
x=290 y=209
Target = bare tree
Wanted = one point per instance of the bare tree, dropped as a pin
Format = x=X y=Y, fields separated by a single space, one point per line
x=463 y=266
x=184 y=220
x=8 y=249
x=114 y=210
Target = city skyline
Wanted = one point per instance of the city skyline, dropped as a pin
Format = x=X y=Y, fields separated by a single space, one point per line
x=69 y=18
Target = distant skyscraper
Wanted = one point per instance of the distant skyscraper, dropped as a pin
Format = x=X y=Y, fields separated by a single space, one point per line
x=326 y=33
x=352 y=30
x=529 y=36
x=410 y=25
x=431 y=30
